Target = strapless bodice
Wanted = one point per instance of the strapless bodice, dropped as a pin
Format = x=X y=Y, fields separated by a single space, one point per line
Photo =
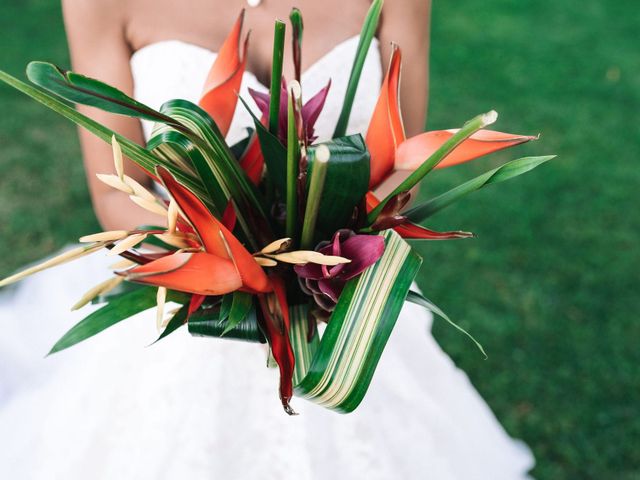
x=175 y=69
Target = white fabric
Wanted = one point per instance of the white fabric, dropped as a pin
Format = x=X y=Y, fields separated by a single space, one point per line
x=194 y=408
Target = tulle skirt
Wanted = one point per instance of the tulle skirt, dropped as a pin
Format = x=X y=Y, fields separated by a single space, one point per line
x=202 y=408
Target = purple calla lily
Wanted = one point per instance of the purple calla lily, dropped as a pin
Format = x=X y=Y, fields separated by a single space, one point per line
x=326 y=283
x=310 y=110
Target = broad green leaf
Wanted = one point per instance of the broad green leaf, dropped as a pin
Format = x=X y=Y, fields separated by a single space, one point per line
x=207 y=323
x=118 y=309
x=369 y=29
x=340 y=368
x=346 y=183
x=240 y=308
x=505 y=172
x=419 y=299
x=88 y=91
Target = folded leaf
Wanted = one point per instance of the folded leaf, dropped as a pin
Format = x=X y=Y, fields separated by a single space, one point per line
x=207 y=323
x=413 y=152
x=240 y=308
x=345 y=183
x=343 y=364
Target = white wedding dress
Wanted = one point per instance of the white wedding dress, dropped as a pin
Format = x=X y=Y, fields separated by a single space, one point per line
x=200 y=408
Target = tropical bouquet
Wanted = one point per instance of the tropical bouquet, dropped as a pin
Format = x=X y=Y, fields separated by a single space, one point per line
x=267 y=239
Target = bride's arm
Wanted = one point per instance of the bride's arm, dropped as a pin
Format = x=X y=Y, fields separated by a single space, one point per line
x=406 y=23
x=95 y=32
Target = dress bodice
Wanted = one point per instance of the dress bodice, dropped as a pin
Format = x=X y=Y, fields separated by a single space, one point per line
x=175 y=69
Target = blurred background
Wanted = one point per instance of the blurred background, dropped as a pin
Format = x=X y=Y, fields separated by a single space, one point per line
x=549 y=287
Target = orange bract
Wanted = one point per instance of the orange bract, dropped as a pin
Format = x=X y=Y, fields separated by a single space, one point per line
x=220 y=93
x=390 y=149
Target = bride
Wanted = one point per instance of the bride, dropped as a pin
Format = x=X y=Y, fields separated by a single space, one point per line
x=200 y=408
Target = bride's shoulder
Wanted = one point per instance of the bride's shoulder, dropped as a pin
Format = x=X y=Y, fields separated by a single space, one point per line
x=92 y=11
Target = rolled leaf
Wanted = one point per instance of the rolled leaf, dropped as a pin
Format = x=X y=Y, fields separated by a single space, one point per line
x=345 y=183
x=343 y=363
x=207 y=323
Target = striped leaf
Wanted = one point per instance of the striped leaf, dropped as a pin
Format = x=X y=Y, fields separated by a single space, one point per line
x=216 y=166
x=336 y=371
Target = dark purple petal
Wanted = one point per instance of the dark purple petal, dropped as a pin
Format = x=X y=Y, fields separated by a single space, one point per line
x=363 y=251
x=262 y=101
x=331 y=288
x=309 y=270
x=311 y=110
x=324 y=302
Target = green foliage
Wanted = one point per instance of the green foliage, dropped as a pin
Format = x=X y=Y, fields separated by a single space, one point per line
x=346 y=182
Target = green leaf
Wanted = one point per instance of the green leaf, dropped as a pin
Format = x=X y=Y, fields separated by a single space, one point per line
x=339 y=369
x=118 y=309
x=276 y=76
x=505 y=172
x=178 y=319
x=274 y=153
x=419 y=299
x=225 y=306
x=207 y=323
x=240 y=308
x=88 y=91
x=206 y=148
x=369 y=29
x=346 y=183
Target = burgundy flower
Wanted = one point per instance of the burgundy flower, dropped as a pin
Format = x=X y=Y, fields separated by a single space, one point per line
x=326 y=283
x=310 y=110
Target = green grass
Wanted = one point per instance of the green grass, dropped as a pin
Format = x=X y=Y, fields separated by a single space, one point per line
x=550 y=284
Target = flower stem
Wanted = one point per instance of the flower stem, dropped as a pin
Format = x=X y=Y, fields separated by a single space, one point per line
x=316 y=186
x=293 y=155
x=276 y=76
x=430 y=163
x=366 y=36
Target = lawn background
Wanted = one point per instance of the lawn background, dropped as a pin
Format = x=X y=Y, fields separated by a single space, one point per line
x=550 y=284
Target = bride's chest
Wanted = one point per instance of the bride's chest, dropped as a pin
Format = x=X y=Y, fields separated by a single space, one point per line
x=206 y=23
